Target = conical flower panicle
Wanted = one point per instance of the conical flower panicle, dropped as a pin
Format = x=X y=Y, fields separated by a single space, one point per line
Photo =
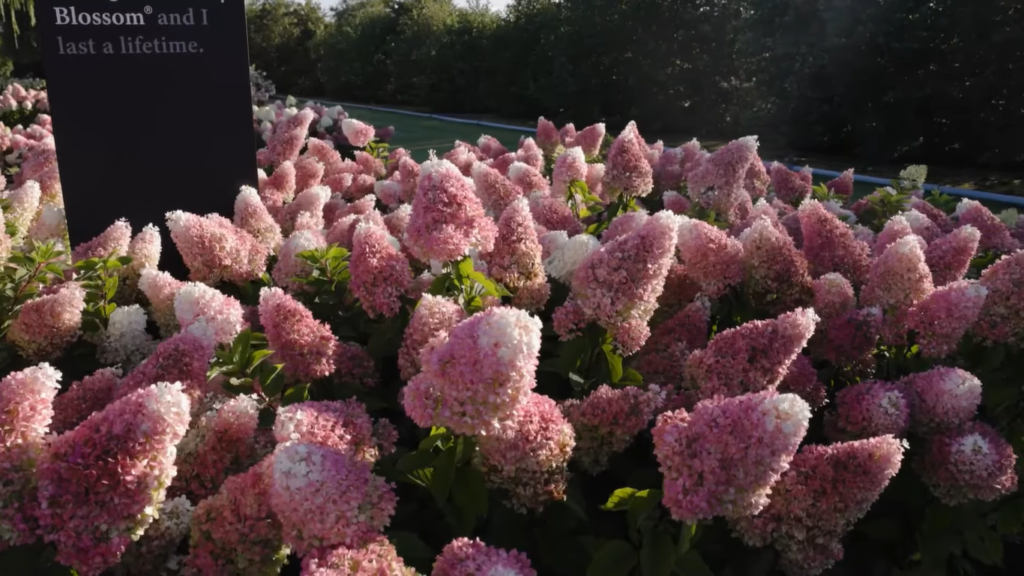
x=607 y=421
x=710 y=257
x=949 y=257
x=970 y=462
x=830 y=245
x=776 y=272
x=304 y=345
x=447 y=216
x=872 y=408
x=434 y=316
x=1002 y=316
x=627 y=171
x=942 y=398
x=899 y=279
x=47 y=325
x=380 y=271
x=943 y=318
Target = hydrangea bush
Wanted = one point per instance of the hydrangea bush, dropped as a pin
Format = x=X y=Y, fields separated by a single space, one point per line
x=575 y=354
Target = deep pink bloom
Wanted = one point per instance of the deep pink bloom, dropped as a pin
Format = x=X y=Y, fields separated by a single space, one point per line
x=607 y=421
x=943 y=318
x=849 y=337
x=289 y=265
x=872 y=408
x=160 y=289
x=554 y=214
x=824 y=492
x=447 y=217
x=215 y=250
x=590 y=139
x=434 y=316
x=112 y=242
x=711 y=258
x=476 y=377
x=802 y=379
x=102 y=481
x=323 y=150
x=833 y=296
x=308 y=173
x=527 y=178
x=377 y=558
x=495 y=191
x=184 y=358
x=279 y=188
x=994 y=234
x=1002 y=316
x=326 y=498
x=289 y=137
x=26 y=410
x=358 y=134
x=899 y=279
x=223 y=442
x=942 y=398
x=370 y=166
x=529 y=455
x=842 y=185
x=490 y=146
x=547 y=136
x=662 y=360
x=502 y=163
x=718 y=182
x=307 y=211
x=516 y=258
x=380 y=272
x=949 y=257
x=235 y=531
x=627 y=171
x=722 y=458
x=465 y=557
x=776 y=273
x=970 y=462
x=934 y=214
x=570 y=165
x=567 y=134
x=751 y=357
x=344 y=230
x=789 y=186
x=252 y=216
x=756 y=180
x=830 y=245
x=668 y=172
x=304 y=345
x=675 y=202
x=48 y=324
x=83 y=397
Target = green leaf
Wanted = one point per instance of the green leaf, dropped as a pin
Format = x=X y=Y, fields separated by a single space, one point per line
x=619 y=500
x=692 y=564
x=631 y=377
x=272 y=380
x=657 y=554
x=686 y=534
x=614 y=363
x=266 y=418
x=444 y=474
x=410 y=547
x=439 y=286
x=642 y=502
x=256 y=357
x=238 y=385
x=469 y=491
x=295 y=394
x=614 y=558
x=417 y=460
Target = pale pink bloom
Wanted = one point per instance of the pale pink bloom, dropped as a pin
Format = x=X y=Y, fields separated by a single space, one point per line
x=618 y=285
x=495 y=191
x=530 y=154
x=222 y=443
x=289 y=137
x=547 y=136
x=326 y=498
x=567 y=134
x=668 y=172
x=824 y=492
x=897 y=227
x=221 y=313
x=341 y=184
x=22 y=206
x=527 y=178
x=922 y=225
x=144 y=250
x=710 y=257
x=490 y=146
x=235 y=531
x=308 y=173
x=289 y=265
x=595 y=179
x=627 y=171
x=934 y=214
x=607 y=421
x=465 y=557
x=971 y=462
x=502 y=163
x=675 y=202
x=833 y=296
x=830 y=245
x=344 y=230
x=323 y=150
x=476 y=377
x=160 y=289
x=802 y=379
x=252 y=216
x=215 y=250
x=865 y=235
x=842 y=185
x=398 y=221
x=789 y=186
x=590 y=139
x=554 y=214
x=377 y=558
x=570 y=165
x=529 y=454
x=756 y=180
x=994 y=234
x=370 y=166
x=447 y=217
x=563 y=255
x=718 y=182
x=380 y=272
x=83 y=397
x=949 y=257
x=358 y=134
x=624 y=224
x=722 y=458
x=112 y=242
x=1002 y=316
x=26 y=410
x=516 y=258
x=943 y=318
x=389 y=192
x=103 y=481
x=279 y=188
x=942 y=398
x=872 y=408
x=899 y=280
x=309 y=204
x=751 y=357
x=342 y=425
x=48 y=324
x=155 y=553
x=776 y=273
x=434 y=316
x=183 y=358
x=304 y=345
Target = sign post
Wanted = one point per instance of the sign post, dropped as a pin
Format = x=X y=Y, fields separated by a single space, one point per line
x=151 y=109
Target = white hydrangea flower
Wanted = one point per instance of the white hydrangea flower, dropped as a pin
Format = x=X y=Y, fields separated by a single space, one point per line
x=155 y=552
x=568 y=256
x=125 y=340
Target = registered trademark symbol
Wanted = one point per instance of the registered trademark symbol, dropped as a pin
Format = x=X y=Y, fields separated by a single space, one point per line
x=148 y=9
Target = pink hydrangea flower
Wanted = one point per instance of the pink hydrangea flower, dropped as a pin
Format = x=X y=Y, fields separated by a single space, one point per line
x=802 y=379
x=377 y=558
x=1002 y=317
x=290 y=136
x=607 y=421
x=590 y=139
x=595 y=179
x=618 y=285
x=26 y=410
x=344 y=230
x=528 y=178
x=897 y=227
x=833 y=296
x=495 y=191
x=144 y=250
x=279 y=188
x=830 y=245
x=462 y=156
x=380 y=272
x=358 y=134
x=160 y=289
x=465 y=557
x=447 y=216
x=434 y=316
x=872 y=408
x=183 y=358
x=722 y=458
x=842 y=185
x=943 y=318
x=789 y=186
x=718 y=182
x=112 y=242
x=994 y=234
x=971 y=462
x=516 y=258
x=554 y=214
x=570 y=165
x=216 y=250
x=236 y=531
x=668 y=172
x=326 y=498
x=354 y=366
x=547 y=136
x=750 y=358
x=529 y=454
x=102 y=482
x=48 y=324
x=663 y=358
x=370 y=166
x=921 y=225
x=83 y=397
x=155 y=553
x=22 y=206
x=942 y=398
x=850 y=337
x=222 y=314
x=398 y=221
x=675 y=202
x=252 y=216
x=289 y=265
x=756 y=180
x=343 y=425
x=308 y=173
x=776 y=272
x=479 y=375
x=222 y=443
x=824 y=492
x=530 y=154
x=304 y=345
x=899 y=279
x=624 y=224
x=627 y=171
x=491 y=147
x=307 y=211
x=949 y=257
x=710 y=257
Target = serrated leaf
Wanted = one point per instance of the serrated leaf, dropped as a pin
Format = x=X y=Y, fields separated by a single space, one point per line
x=619 y=499
x=614 y=558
